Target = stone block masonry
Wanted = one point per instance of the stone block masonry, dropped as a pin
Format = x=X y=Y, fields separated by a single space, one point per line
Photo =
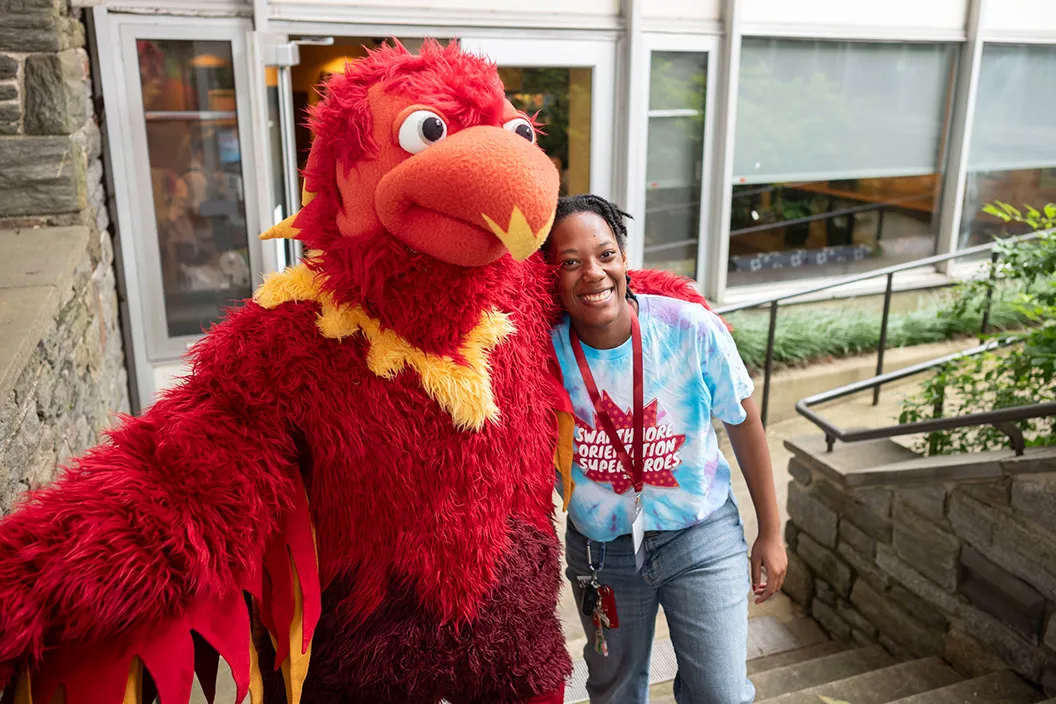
x=62 y=371
x=961 y=569
x=66 y=386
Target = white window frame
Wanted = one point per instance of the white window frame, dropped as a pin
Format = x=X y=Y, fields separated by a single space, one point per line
x=640 y=115
x=550 y=50
x=152 y=347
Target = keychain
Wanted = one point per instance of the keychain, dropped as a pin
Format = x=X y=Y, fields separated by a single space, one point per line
x=599 y=601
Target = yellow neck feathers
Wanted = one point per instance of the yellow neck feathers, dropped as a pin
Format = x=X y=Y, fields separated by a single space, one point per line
x=463 y=390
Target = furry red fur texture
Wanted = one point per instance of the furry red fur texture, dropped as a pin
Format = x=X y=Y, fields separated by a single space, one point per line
x=444 y=496
x=148 y=524
x=145 y=525
x=360 y=260
x=516 y=650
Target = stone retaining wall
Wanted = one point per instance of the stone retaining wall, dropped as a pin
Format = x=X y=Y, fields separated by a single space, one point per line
x=61 y=360
x=69 y=383
x=965 y=570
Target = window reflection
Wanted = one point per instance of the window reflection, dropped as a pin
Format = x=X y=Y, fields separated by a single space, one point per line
x=196 y=176
x=838 y=159
x=1012 y=153
x=674 y=160
x=561 y=99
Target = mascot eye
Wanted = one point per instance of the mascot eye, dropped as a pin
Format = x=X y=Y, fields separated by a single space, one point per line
x=521 y=127
x=420 y=130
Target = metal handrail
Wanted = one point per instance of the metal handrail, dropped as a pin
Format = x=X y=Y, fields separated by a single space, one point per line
x=774 y=303
x=828 y=215
x=876 y=273
x=1003 y=418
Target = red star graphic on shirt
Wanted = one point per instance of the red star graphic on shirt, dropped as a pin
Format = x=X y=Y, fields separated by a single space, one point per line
x=597 y=458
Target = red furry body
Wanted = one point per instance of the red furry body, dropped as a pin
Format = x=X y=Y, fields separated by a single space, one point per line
x=514 y=649
x=414 y=514
x=412 y=517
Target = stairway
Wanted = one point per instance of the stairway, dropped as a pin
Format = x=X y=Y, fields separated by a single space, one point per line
x=822 y=671
x=834 y=674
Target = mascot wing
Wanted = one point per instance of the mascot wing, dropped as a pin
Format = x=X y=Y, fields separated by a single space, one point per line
x=128 y=574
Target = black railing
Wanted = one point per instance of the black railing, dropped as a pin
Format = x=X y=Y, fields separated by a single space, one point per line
x=1004 y=419
x=774 y=303
x=855 y=210
x=881 y=209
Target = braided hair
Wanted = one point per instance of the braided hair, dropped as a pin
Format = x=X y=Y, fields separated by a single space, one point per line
x=605 y=209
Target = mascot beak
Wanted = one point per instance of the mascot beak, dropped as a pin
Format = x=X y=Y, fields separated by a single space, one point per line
x=471 y=197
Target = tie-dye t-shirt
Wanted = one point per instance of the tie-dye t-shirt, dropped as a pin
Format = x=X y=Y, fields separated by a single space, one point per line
x=692 y=372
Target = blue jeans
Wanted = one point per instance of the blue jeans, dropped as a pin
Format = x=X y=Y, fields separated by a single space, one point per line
x=700 y=575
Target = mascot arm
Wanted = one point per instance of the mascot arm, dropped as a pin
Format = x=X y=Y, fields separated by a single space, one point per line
x=157 y=533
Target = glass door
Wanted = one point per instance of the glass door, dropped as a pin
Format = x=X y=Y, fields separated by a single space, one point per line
x=571 y=84
x=280 y=57
x=676 y=184
x=194 y=208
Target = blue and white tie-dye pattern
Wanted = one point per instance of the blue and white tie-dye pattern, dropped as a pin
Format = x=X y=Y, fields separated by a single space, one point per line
x=693 y=372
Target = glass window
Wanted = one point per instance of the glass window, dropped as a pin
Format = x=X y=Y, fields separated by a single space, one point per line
x=838 y=156
x=281 y=209
x=1012 y=152
x=675 y=152
x=196 y=177
x=562 y=99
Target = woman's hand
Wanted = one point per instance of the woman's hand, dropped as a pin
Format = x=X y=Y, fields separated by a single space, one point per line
x=769 y=556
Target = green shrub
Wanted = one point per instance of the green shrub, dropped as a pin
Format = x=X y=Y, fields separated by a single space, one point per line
x=811 y=335
x=1022 y=374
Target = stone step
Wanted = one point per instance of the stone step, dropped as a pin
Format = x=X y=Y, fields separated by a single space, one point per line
x=829 y=668
x=813 y=643
x=996 y=688
x=888 y=684
x=806 y=631
x=793 y=657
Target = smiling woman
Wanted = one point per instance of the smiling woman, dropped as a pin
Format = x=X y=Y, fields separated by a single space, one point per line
x=649 y=488
x=589 y=249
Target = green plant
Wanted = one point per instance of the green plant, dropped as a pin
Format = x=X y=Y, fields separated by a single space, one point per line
x=552 y=84
x=816 y=334
x=794 y=208
x=1022 y=374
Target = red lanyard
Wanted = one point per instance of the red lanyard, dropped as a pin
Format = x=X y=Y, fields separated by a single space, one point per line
x=633 y=468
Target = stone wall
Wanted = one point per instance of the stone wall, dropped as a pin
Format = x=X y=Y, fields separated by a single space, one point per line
x=965 y=570
x=61 y=361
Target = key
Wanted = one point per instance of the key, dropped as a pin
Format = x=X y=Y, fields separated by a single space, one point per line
x=600 y=621
x=590 y=599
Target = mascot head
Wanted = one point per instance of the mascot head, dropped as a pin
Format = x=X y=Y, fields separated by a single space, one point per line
x=427 y=151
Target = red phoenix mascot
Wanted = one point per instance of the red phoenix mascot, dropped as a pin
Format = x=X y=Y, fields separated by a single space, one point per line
x=358 y=471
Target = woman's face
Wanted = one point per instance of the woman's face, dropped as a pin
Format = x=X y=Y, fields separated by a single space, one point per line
x=592 y=271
